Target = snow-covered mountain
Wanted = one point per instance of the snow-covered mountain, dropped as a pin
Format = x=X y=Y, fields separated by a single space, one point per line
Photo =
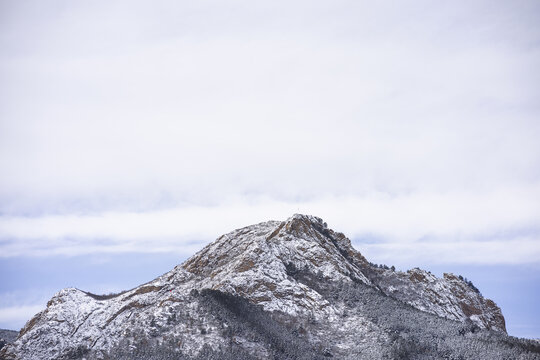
x=290 y=289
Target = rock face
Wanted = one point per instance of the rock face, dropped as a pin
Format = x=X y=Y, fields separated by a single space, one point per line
x=253 y=263
x=291 y=289
x=449 y=297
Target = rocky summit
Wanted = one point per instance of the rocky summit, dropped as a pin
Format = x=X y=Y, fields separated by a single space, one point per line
x=291 y=289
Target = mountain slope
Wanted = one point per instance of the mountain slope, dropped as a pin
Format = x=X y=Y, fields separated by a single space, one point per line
x=292 y=289
x=7 y=337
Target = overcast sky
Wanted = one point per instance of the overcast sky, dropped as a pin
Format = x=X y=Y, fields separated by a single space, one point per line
x=156 y=126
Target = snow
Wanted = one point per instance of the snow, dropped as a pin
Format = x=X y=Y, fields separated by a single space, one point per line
x=252 y=263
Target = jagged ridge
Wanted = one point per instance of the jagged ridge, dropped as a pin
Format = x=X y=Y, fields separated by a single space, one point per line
x=258 y=263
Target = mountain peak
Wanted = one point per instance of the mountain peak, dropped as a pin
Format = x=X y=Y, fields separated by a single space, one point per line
x=253 y=262
x=298 y=269
x=308 y=226
x=308 y=221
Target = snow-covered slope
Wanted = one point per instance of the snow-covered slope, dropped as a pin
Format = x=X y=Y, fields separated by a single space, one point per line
x=252 y=262
x=281 y=267
x=450 y=297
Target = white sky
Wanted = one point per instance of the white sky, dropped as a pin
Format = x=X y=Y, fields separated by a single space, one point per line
x=137 y=125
